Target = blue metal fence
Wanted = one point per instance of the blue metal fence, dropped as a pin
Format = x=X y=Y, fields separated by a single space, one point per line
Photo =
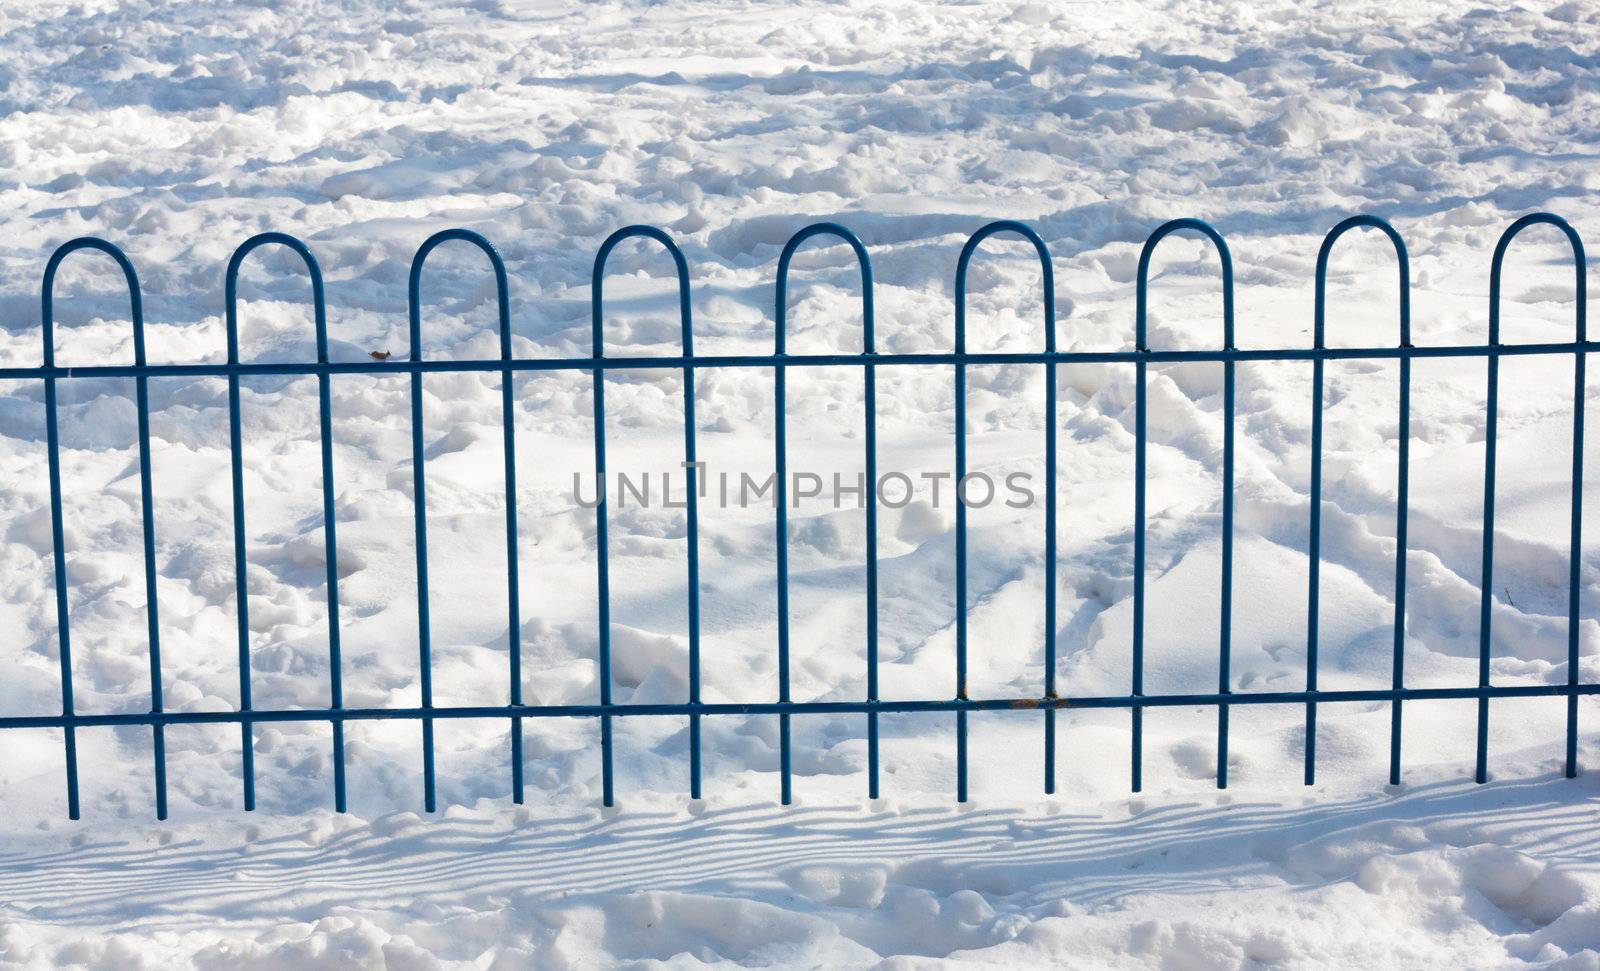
x=1049 y=701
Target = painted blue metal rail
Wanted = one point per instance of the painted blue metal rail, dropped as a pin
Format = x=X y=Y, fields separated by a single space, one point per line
x=1049 y=701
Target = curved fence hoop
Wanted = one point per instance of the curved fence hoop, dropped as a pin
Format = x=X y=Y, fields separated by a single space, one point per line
x=1047 y=278
x=57 y=526
x=1402 y=259
x=781 y=308
x=1491 y=435
x=597 y=282
x=502 y=287
x=781 y=463
x=1141 y=438
x=1048 y=288
x=419 y=495
x=1402 y=504
x=330 y=529
x=129 y=275
x=1141 y=295
x=602 y=514
x=231 y=289
x=1579 y=266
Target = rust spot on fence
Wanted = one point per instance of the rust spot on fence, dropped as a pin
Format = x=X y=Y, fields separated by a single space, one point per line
x=1030 y=704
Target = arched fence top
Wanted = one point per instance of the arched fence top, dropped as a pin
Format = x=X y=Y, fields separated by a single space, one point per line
x=1579 y=266
x=1141 y=294
x=47 y=293
x=231 y=289
x=781 y=311
x=597 y=283
x=501 y=288
x=1047 y=278
x=1402 y=259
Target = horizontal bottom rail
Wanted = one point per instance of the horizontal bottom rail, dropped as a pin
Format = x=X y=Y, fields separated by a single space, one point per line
x=1213 y=700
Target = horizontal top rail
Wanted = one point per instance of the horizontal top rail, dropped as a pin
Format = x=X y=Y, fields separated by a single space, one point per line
x=221 y=369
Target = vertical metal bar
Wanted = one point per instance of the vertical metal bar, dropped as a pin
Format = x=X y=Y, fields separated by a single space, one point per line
x=419 y=497
x=869 y=391
x=781 y=497
x=1225 y=653
x=1136 y=713
x=1051 y=625
x=508 y=422
x=1047 y=285
x=1576 y=543
x=64 y=640
x=602 y=541
x=1486 y=593
x=158 y=738
x=1401 y=541
x=781 y=465
x=58 y=546
x=1225 y=630
x=1403 y=264
x=692 y=513
x=597 y=282
x=1141 y=437
x=330 y=536
x=240 y=566
x=1315 y=553
x=1402 y=507
x=1486 y=602
x=961 y=536
x=508 y=429
x=1141 y=344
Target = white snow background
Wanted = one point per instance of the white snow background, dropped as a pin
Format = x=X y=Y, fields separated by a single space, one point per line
x=178 y=130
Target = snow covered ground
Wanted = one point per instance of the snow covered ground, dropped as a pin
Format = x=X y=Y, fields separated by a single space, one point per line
x=178 y=130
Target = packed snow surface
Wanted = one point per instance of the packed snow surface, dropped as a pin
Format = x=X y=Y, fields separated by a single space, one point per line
x=178 y=130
